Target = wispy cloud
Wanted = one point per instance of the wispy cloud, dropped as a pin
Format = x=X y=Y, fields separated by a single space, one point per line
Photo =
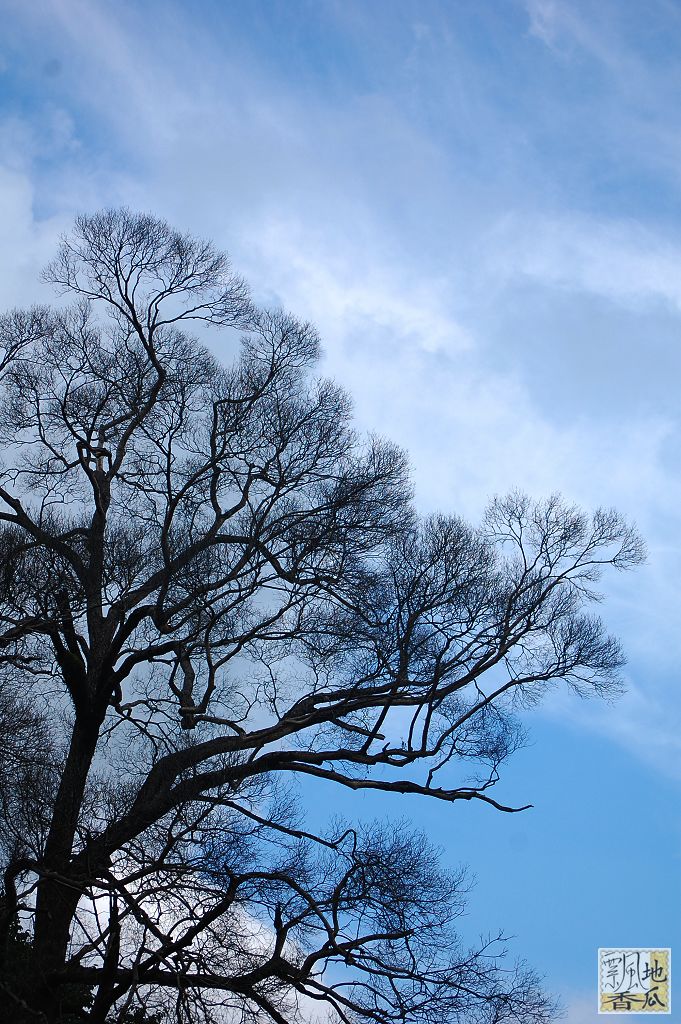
x=623 y=261
x=344 y=210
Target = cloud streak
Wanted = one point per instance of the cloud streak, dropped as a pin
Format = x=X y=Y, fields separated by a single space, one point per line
x=353 y=209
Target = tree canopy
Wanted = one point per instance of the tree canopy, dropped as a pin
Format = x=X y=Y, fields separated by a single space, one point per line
x=214 y=589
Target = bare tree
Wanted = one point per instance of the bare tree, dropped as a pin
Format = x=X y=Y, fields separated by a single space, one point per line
x=213 y=587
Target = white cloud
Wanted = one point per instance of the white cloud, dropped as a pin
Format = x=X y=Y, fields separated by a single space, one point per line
x=563 y=25
x=545 y=16
x=415 y=368
x=623 y=261
x=28 y=244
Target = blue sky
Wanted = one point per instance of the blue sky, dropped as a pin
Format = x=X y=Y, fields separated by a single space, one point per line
x=479 y=204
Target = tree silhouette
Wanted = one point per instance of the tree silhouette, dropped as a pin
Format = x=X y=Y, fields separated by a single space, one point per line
x=213 y=589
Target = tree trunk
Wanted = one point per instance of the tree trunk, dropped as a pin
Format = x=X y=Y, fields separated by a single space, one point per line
x=59 y=890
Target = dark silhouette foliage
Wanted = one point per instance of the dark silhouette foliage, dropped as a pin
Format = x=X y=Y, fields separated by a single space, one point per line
x=212 y=589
